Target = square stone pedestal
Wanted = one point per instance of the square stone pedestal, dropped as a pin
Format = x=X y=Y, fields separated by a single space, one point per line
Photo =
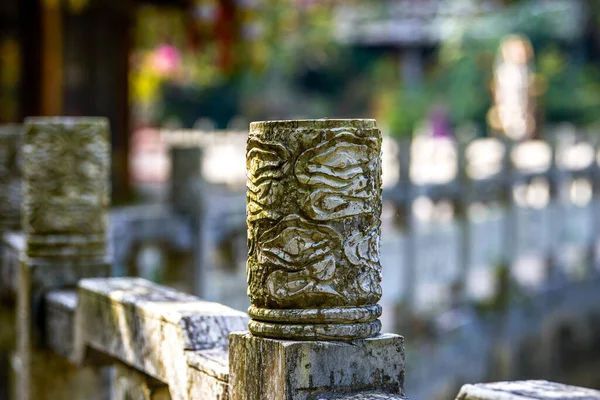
x=271 y=369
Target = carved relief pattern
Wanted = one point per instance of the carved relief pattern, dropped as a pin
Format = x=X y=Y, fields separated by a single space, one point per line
x=314 y=204
x=66 y=168
x=335 y=174
x=266 y=165
x=303 y=252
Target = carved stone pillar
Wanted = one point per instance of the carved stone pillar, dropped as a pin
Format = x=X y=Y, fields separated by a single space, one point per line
x=313 y=213
x=66 y=166
x=313 y=210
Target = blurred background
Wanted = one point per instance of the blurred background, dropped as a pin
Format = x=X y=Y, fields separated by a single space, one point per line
x=491 y=111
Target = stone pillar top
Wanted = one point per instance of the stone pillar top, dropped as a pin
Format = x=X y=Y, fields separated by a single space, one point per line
x=66 y=163
x=313 y=213
x=324 y=123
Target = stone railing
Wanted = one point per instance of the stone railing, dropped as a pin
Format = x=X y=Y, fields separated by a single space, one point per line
x=314 y=201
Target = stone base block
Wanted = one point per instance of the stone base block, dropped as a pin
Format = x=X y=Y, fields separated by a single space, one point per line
x=36 y=277
x=272 y=369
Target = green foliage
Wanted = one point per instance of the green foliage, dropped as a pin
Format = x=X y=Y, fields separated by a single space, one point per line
x=295 y=68
x=573 y=91
x=464 y=65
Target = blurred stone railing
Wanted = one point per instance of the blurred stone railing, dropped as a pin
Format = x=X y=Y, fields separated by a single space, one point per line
x=535 y=199
x=315 y=332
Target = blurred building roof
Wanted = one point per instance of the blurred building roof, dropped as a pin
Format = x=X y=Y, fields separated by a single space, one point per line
x=427 y=22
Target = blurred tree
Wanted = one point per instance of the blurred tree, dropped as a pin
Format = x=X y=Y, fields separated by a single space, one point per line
x=464 y=64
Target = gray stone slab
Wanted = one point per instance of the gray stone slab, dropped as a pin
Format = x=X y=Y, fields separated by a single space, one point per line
x=526 y=390
x=155 y=329
x=263 y=368
x=213 y=362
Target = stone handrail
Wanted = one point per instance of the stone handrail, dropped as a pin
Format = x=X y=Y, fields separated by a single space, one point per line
x=172 y=337
x=525 y=390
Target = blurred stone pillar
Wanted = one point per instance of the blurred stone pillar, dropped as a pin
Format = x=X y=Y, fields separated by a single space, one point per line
x=10 y=197
x=186 y=198
x=10 y=177
x=314 y=275
x=10 y=220
x=186 y=175
x=65 y=203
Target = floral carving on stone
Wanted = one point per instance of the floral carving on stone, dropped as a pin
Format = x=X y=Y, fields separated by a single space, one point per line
x=335 y=174
x=363 y=251
x=266 y=166
x=301 y=255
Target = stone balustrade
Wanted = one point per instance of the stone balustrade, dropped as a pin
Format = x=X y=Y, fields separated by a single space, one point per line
x=525 y=390
x=314 y=202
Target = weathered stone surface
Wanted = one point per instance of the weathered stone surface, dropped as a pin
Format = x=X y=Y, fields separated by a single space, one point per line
x=65 y=188
x=263 y=368
x=155 y=330
x=526 y=390
x=208 y=374
x=10 y=177
x=212 y=362
x=207 y=370
x=313 y=213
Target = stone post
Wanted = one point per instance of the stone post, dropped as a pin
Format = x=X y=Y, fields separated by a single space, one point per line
x=10 y=220
x=186 y=164
x=313 y=213
x=66 y=196
x=65 y=204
